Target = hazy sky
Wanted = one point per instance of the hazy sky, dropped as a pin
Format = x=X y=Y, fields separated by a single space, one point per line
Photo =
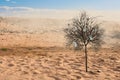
x=59 y=8
x=64 y=4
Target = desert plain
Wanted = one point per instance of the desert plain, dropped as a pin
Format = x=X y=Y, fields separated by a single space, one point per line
x=34 y=49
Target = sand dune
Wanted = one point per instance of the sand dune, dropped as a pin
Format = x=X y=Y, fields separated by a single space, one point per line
x=46 y=29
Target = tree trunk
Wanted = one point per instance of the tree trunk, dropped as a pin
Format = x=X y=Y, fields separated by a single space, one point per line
x=86 y=65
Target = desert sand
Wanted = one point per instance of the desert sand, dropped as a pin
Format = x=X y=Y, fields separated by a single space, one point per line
x=34 y=49
x=56 y=63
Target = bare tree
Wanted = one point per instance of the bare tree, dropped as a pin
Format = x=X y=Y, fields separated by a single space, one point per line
x=82 y=31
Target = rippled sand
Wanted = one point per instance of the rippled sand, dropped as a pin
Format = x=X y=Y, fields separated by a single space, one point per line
x=56 y=63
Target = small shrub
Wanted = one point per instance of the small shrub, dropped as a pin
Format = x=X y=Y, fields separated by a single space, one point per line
x=3 y=49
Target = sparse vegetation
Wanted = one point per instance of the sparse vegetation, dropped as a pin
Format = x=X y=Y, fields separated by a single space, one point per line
x=3 y=49
x=83 y=31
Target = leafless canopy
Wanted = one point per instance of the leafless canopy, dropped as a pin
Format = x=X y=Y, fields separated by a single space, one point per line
x=84 y=30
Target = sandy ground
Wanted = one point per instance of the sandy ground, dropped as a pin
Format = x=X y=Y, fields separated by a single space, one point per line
x=56 y=63
x=39 y=53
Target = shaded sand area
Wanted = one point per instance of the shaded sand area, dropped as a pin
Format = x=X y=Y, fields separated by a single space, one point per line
x=57 y=63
